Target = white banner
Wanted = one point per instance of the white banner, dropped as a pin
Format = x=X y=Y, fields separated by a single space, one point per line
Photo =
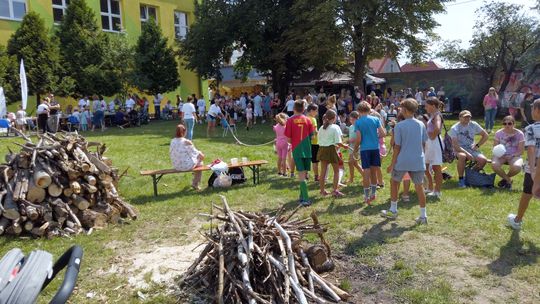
x=24 y=86
x=3 y=109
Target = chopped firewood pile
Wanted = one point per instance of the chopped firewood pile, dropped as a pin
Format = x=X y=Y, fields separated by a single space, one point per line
x=258 y=258
x=57 y=187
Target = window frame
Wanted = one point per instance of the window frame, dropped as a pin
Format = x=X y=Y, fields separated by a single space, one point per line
x=62 y=6
x=146 y=7
x=180 y=26
x=11 y=12
x=110 y=15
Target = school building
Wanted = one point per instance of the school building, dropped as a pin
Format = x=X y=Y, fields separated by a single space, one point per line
x=117 y=17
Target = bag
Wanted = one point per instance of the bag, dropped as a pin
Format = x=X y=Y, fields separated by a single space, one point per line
x=448 y=154
x=237 y=175
x=474 y=178
x=222 y=181
x=219 y=166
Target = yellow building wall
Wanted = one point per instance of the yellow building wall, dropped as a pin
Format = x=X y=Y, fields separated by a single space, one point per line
x=131 y=23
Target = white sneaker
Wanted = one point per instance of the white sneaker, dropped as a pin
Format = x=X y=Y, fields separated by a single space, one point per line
x=421 y=220
x=434 y=194
x=405 y=198
x=512 y=222
x=427 y=191
x=389 y=214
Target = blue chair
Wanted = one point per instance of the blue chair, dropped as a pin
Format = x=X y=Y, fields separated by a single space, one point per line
x=5 y=124
x=226 y=127
x=73 y=121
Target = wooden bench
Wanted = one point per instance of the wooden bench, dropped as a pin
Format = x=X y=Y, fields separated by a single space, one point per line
x=254 y=166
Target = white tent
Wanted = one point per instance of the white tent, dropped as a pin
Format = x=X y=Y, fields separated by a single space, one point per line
x=347 y=78
x=3 y=109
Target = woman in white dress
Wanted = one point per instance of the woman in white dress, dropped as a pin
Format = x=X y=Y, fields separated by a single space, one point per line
x=185 y=156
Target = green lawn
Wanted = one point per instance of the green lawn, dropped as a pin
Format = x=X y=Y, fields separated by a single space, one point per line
x=465 y=254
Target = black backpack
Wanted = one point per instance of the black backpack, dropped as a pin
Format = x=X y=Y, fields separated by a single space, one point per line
x=237 y=175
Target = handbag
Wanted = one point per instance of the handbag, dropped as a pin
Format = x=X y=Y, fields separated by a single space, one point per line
x=448 y=154
x=222 y=181
x=219 y=166
x=475 y=178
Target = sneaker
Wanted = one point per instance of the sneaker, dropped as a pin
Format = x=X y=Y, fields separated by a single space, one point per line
x=305 y=203
x=512 y=222
x=379 y=186
x=461 y=183
x=389 y=214
x=421 y=220
x=502 y=183
x=405 y=198
x=367 y=201
x=434 y=195
x=427 y=191
x=372 y=198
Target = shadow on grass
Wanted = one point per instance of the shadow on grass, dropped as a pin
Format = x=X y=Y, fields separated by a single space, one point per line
x=514 y=253
x=376 y=235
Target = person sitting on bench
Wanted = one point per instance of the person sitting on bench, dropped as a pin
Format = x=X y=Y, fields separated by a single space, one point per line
x=185 y=156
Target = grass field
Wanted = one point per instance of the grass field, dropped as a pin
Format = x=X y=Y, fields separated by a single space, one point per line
x=465 y=255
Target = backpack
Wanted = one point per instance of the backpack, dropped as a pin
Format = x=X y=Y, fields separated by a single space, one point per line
x=448 y=154
x=236 y=175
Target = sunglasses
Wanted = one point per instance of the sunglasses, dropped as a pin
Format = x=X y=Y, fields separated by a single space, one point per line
x=507 y=123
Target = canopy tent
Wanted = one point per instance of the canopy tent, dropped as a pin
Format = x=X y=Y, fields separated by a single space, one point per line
x=347 y=78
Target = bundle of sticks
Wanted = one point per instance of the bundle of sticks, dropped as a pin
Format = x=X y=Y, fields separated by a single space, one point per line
x=57 y=187
x=258 y=258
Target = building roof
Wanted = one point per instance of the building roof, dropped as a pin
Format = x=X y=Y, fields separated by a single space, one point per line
x=424 y=66
x=377 y=65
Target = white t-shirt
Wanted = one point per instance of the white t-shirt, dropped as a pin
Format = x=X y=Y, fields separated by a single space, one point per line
x=290 y=105
x=201 y=104
x=214 y=110
x=82 y=103
x=42 y=108
x=188 y=109
x=330 y=136
x=130 y=103
x=419 y=97
x=111 y=106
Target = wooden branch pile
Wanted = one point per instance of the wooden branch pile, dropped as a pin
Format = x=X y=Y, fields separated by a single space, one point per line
x=256 y=258
x=58 y=187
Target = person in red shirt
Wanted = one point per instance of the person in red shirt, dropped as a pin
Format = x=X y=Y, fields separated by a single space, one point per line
x=299 y=130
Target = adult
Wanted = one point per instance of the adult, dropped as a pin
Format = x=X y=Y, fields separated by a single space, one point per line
x=526 y=109
x=189 y=115
x=513 y=141
x=267 y=110
x=257 y=107
x=157 y=106
x=419 y=96
x=98 y=108
x=43 y=115
x=83 y=103
x=130 y=103
x=490 y=108
x=431 y=92
x=54 y=114
x=513 y=103
x=462 y=134
x=213 y=114
x=275 y=104
x=434 y=144
x=289 y=106
x=201 y=107
x=185 y=156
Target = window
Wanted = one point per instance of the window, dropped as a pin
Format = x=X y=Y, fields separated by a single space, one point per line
x=59 y=9
x=148 y=12
x=180 y=25
x=12 y=9
x=111 y=19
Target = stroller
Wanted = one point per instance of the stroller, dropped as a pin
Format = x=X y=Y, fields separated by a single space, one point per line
x=23 y=278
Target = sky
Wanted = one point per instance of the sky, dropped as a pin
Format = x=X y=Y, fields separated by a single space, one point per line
x=458 y=21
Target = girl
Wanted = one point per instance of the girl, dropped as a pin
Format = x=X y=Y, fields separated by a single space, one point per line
x=249 y=116
x=85 y=118
x=329 y=139
x=282 y=145
x=353 y=158
x=514 y=141
x=433 y=151
x=20 y=119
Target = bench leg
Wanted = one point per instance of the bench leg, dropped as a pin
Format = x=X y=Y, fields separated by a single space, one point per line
x=155 y=182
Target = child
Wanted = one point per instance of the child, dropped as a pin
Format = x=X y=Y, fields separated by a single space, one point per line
x=282 y=145
x=406 y=178
x=382 y=145
x=329 y=139
x=353 y=158
x=312 y=112
x=85 y=118
x=368 y=129
x=249 y=116
x=530 y=187
x=410 y=136
x=299 y=130
x=20 y=119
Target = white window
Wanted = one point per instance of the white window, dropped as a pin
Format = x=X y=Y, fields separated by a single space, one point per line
x=148 y=12
x=59 y=9
x=12 y=9
x=111 y=18
x=180 y=25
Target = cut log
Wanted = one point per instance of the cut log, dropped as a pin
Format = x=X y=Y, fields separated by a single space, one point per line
x=14 y=229
x=68 y=192
x=93 y=219
x=90 y=179
x=42 y=179
x=11 y=210
x=32 y=213
x=28 y=226
x=54 y=190
x=4 y=223
x=40 y=231
x=80 y=202
x=35 y=194
x=75 y=187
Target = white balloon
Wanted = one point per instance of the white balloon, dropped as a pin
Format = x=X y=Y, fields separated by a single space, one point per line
x=499 y=150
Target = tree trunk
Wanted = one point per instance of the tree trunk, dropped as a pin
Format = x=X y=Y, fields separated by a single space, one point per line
x=359 y=70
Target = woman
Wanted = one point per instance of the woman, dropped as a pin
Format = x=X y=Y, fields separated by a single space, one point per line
x=526 y=109
x=185 y=156
x=43 y=115
x=213 y=114
x=433 y=152
x=98 y=114
x=189 y=114
x=490 y=108
x=513 y=141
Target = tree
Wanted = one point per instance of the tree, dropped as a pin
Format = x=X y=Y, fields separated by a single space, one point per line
x=119 y=62
x=8 y=68
x=504 y=38
x=32 y=43
x=83 y=49
x=156 y=69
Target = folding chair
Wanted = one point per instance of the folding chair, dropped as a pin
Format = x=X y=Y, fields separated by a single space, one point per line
x=73 y=121
x=5 y=125
x=226 y=127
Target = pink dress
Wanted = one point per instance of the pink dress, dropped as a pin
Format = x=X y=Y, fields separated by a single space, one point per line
x=282 y=145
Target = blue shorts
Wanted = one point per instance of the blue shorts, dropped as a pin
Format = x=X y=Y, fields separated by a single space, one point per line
x=210 y=118
x=370 y=158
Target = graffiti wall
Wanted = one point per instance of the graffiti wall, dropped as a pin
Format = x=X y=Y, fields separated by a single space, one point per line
x=467 y=84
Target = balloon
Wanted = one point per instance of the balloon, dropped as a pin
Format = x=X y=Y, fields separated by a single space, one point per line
x=499 y=150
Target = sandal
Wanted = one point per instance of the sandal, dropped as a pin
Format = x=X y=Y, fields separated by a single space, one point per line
x=324 y=193
x=337 y=193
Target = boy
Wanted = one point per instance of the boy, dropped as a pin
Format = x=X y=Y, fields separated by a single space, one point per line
x=532 y=144
x=353 y=158
x=299 y=130
x=312 y=112
x=368 y=129
x=410 y=136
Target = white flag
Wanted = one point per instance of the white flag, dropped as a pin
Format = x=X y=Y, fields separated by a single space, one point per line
x=3 y=109
x=24 y=86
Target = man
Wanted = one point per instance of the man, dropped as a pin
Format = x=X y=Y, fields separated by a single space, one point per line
x=130 y=103
x=419 y=96
x=54 y=116
x=157 y=106
x=462 y=134
x=257 y=107
x=83 y=103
